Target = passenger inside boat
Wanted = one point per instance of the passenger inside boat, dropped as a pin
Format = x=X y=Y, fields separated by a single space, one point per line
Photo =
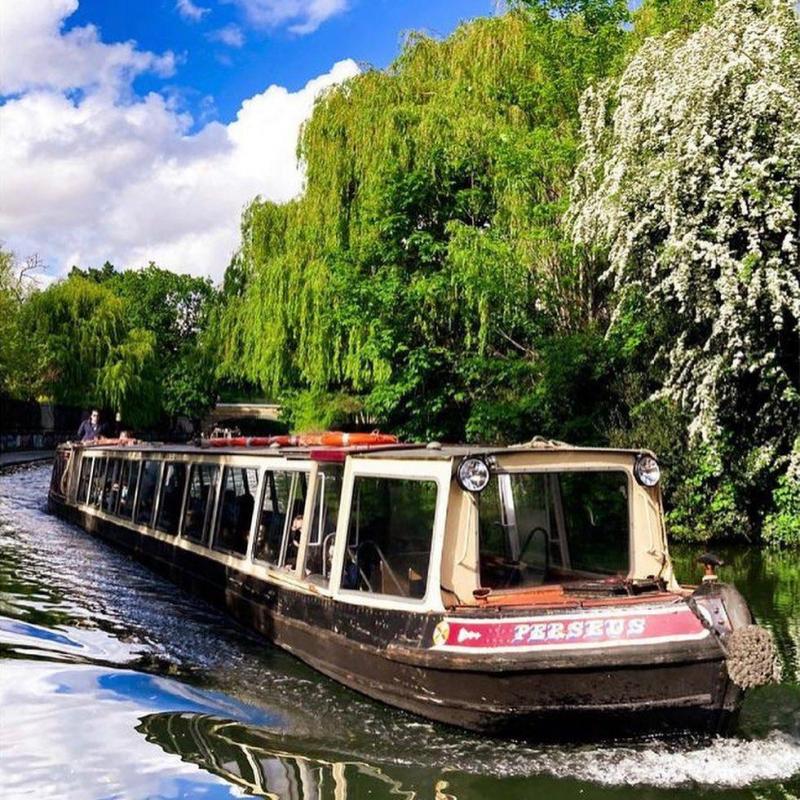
x=293 y=547
x=237 y=504
x=284 y=500
x=553 y=528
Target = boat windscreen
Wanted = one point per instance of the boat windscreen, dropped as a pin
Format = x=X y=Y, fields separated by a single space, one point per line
x=553 y=527
x=389 y=536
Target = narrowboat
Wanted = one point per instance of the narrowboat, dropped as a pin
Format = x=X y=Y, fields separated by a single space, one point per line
x=523 y=590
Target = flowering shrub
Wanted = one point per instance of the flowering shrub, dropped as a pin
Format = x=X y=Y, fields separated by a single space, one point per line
x=782 y=526
x=690 y=185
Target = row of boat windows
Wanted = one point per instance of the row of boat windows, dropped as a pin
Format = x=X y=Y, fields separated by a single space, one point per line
x=389 y=532
x=112 y=487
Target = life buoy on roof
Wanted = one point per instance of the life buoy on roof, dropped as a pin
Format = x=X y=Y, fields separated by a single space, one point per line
x=327 y=439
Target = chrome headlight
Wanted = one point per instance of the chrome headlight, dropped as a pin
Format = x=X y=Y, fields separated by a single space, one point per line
x=473 y=474
x=646 y=470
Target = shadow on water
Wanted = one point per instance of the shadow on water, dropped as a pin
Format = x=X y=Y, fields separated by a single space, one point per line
x=114 y=683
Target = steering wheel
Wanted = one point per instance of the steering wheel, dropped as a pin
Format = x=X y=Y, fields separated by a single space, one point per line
x=529 y=539
x=357 y=559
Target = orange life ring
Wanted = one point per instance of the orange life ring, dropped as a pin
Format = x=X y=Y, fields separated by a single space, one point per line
x=327 y=439
x=339 y=439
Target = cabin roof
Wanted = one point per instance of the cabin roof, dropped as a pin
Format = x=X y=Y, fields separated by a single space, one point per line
x=433 y=451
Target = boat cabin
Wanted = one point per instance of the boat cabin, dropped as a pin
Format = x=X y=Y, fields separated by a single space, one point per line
x=423 y=528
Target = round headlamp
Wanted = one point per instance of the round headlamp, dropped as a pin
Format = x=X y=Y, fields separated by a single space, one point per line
x=646 y=470
x=473 y=474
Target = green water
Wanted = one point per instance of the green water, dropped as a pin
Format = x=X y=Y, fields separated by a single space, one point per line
x=114 y=684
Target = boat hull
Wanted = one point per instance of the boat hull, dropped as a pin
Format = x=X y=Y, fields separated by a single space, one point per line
x=386 y=654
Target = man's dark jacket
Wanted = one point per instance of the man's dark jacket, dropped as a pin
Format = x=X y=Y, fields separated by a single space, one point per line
x=87 y=431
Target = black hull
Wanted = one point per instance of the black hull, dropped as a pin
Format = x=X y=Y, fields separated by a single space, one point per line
x=380 y=653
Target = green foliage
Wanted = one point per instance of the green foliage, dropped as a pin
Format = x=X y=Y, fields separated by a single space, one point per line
x=319 y=411
x=689 y=184
x=176 y=310
x=658 y=17
x=16 y=284
x=130 y=341
x=86 y=353
x=424 y=267
x=782 y=525
x=428 y=282
x=9 y=311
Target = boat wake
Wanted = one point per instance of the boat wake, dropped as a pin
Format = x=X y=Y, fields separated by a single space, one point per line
x=724 y=763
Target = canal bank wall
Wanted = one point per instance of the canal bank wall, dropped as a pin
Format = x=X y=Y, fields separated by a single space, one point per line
x=25 y=457
x=28 y=426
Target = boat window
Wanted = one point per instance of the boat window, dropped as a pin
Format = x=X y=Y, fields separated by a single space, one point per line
x=239 y=486
x=147 y=492
x=323 y=523
x=389 y=536
x=59 y=466
x=169 y=504
x=127 y=482
x=83 y=484
x=111 y=489
x=281 y=519
x=97 y=481
x=203 y=480
x=538 y=528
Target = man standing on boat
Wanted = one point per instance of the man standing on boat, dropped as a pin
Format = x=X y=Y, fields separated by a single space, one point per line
x=91 y=428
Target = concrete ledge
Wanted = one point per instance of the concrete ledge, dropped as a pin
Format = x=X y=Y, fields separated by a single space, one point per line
x=25 y=457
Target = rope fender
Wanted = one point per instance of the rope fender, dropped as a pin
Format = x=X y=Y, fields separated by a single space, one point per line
x=752 y=657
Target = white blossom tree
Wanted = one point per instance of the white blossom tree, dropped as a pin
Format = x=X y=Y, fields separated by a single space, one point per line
x=689 y=185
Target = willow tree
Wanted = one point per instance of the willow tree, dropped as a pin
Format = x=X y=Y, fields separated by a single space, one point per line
x=14 y=288
x=84 y=351
x=690 y=184
x=423 y=271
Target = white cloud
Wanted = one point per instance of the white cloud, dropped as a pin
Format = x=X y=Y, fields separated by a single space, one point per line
x=230 y=35
x=191 y=12
x=103 y=175
x=34 y=53
x=305 y=16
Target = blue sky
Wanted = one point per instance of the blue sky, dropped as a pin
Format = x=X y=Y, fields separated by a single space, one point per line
x=367 y=31
x=139 y=131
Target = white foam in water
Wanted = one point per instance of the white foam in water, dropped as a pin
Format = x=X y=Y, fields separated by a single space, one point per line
x=724 y=763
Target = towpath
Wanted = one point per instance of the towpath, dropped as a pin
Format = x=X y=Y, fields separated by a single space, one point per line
x=24 y=457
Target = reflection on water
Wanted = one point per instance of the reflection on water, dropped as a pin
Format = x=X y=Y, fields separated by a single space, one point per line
x=256 y=759
x=113 y=683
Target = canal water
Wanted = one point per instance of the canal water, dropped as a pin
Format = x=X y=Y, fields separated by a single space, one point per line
x=115 y=684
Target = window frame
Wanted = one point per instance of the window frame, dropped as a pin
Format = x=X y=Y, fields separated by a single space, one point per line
x=86 y=460
x=150 y=524
x=294 y=468
x=97 y=503
x=159 y=497
x=112 y=461
x=559 y=513
x=256 y=492
x=213 y=502
x=135 y=466
x=316 y=489
x=437 y=471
